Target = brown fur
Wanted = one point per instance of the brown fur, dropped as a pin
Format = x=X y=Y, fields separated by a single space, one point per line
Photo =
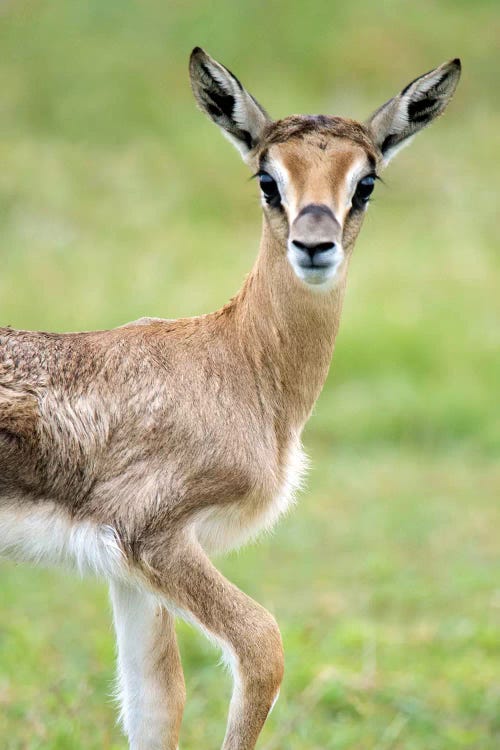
x=319 y=127
x=115 y=405
x=166 y=430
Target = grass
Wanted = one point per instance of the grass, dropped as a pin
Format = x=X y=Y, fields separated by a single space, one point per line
x=118 y=200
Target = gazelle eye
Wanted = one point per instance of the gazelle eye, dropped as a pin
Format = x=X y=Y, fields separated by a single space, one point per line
x=270 y=189
x=364 y=189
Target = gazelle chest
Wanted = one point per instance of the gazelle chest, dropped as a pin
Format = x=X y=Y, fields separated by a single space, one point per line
x=220 y=528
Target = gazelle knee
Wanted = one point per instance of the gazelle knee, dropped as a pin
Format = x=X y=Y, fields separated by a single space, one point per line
x=263 y=661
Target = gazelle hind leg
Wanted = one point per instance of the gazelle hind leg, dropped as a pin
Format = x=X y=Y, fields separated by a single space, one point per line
x=150 y=678
x=248 y=634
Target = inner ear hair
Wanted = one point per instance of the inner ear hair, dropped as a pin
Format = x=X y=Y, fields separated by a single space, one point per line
x=418 y=104
x=223 y=98
x=219 y=101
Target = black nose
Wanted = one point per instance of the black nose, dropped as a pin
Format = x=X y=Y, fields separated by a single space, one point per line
x=313 y=249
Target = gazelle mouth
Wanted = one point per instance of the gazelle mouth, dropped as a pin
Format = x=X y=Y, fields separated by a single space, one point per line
x=317 y=270
x=319 y=263
x=317 y=275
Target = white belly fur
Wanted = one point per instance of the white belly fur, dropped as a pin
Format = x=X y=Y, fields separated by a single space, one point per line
x=43 y=534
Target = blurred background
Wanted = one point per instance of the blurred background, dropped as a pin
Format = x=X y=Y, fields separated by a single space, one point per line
x=119 y=199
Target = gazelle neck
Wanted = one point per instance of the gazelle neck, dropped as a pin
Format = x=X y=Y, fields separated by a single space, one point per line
x=289 y=329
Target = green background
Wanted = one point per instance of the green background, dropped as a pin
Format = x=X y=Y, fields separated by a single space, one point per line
x=118 y=199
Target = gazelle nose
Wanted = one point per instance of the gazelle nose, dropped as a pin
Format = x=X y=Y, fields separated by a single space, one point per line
x=315 y=235
x=313 y=250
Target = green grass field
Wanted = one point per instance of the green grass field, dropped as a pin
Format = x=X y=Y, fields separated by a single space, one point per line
x=118 y=199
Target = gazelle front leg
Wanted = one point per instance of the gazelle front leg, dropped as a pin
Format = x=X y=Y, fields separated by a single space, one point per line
x=246 y=632
x=151 y=682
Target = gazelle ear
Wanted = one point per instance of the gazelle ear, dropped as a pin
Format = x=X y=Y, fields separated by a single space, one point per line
x=222 y=97
x=395 y=123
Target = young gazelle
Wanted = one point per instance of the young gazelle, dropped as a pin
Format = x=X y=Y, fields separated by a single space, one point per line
x=136 y=452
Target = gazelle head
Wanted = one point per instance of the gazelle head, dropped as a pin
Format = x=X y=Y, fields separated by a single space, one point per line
x=317 y=172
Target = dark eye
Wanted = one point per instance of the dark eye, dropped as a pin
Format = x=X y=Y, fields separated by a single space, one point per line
x=364 y=189
x=270 y=189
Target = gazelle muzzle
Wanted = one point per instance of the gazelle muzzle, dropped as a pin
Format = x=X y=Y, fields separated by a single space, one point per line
x=315 y=244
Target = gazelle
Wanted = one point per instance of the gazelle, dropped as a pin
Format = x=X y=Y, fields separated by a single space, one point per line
x=136 y=452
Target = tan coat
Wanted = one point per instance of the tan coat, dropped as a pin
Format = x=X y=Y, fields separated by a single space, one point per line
x=135 y=451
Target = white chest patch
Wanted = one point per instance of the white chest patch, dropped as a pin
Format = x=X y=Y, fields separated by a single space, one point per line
x=225 y=527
